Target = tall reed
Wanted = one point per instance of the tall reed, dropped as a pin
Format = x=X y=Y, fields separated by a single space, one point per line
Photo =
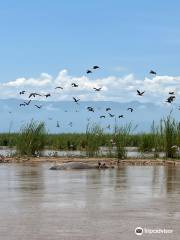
x=121 y=137
x=94 y=135
x=171 y=134
x=31 y=139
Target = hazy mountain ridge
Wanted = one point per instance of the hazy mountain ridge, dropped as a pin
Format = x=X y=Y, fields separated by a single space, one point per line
x=13 y=116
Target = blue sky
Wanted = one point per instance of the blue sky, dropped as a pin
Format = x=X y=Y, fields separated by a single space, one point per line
x=45 y=44
x=48 y=36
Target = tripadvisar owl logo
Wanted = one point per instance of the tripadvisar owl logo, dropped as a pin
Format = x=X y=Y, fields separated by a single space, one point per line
x=139 y=231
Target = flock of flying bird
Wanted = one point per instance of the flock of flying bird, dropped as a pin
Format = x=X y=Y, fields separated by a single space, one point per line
x=76 y=100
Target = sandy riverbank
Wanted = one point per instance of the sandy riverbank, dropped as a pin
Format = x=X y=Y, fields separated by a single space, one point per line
x=109 y=161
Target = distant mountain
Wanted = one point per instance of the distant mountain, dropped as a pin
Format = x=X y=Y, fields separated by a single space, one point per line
x=13 y=116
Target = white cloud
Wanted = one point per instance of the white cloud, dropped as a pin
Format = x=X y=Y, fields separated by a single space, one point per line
x=43 y=80
x=113 y=88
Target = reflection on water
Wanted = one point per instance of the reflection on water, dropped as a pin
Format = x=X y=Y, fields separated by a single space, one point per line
x=37 y=203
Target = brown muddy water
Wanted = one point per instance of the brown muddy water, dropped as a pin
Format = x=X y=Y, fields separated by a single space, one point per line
x=40 y=204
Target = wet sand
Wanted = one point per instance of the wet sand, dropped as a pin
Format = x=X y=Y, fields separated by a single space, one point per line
x=108 y=161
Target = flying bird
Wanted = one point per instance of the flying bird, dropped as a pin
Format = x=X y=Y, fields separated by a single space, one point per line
x=22 y=92
x=170 y=99
x=59 y=87
x=88 y=71
x=108 y=109
x=97 y=89
x=76 y=100
x=90 y=109
x=34 y=95
x=74 y=85
x=140 y=93
x=120 y=116
x=152 y=72
x=47 y=95
x=27 y=103
x=111 y=115
x=38 y=106
x=171 y=93
x=131 y=109
x=96 y=67
x=102 y=116
x=22 y=104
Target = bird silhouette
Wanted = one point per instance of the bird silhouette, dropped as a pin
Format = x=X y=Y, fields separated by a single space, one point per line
x=171 y=93
x=120 y=116
x=57 y=124
x=34 y=95
x=59 y=87
x=22 y=92
x=97 y=89
x=90 y=109
x=76 y=100
x=152 y=72
x=111 y=115
x=131 y=109
x=88 y=71
x=96 y=67
x=38 y=106
x=74 y=85
x=47 y=95
x=22 y=104
x=170 y=99
x=27 y=103
x=108 y=109
x=102 y=116
x=140 y=93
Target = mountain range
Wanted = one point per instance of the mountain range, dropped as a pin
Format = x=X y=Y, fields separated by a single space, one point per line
x=13 y=116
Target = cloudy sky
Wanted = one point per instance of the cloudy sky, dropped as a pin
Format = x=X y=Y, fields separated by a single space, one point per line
x=50 y=43
x=114 y=87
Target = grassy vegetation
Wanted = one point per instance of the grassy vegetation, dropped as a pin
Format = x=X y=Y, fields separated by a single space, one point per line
x=121 y=138
x=163 y=137
x=94 y=138
x=31 y=139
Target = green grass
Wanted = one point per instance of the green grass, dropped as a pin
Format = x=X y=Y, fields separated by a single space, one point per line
x=31 y=139
x=121 y=138
x=161 y=138
x=94 y=137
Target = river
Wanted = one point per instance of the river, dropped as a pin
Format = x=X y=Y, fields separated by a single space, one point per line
x=39 y=204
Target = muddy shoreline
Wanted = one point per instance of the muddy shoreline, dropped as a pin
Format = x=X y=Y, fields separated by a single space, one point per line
x=109 y=161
